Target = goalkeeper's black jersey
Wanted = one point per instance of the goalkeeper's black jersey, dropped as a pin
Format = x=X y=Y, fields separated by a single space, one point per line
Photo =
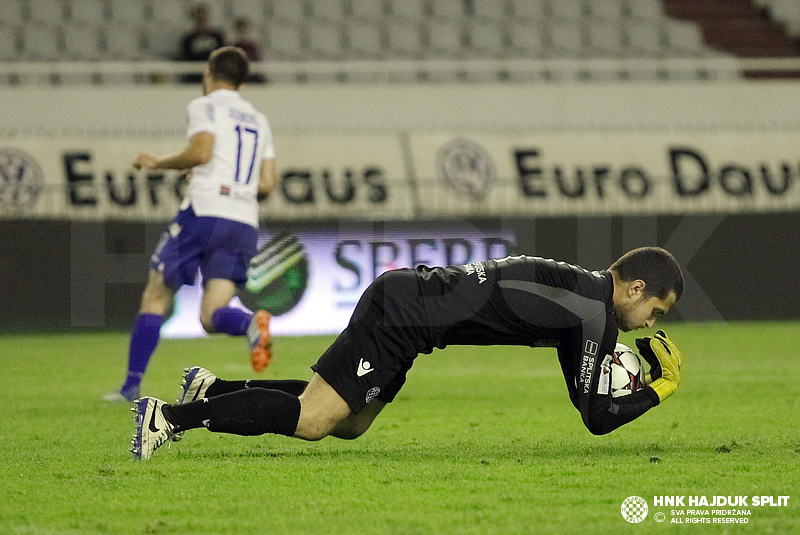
x=536 y=302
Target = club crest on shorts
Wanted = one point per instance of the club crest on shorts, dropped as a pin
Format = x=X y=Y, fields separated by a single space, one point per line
x=372 y=393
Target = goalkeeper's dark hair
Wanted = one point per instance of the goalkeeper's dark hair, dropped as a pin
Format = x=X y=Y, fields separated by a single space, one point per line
x=655 y=266
x=229 y=64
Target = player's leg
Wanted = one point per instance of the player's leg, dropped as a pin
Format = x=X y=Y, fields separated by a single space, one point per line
x=145 y=335
x=255 y=411
x=216 y=315
x=319 y=412
x=157 y=296
x=230 y=248
x=366 y=365
x=199 y=383
x=357 y=424
x=156 y=299
x=323 y=410
x=364 y=368
x=174 y=262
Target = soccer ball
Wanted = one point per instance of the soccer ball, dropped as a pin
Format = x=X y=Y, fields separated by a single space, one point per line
x=626 y=371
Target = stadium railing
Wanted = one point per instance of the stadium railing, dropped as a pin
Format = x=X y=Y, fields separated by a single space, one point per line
x=405 y=71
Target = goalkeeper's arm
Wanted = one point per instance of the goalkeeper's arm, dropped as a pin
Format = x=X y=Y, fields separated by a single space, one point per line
x=665 y=361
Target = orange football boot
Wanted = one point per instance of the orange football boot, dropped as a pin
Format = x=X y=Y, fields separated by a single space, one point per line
x=260 y=340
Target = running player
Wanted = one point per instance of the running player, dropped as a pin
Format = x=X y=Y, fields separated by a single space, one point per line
x=232 y=161
x=512 y=301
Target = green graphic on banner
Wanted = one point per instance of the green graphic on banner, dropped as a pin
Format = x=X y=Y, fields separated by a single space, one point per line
x=277 y=277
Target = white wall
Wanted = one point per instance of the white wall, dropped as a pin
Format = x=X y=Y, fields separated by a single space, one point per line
x=733 y=105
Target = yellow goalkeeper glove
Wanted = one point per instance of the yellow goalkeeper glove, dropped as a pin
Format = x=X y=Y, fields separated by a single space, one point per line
x=665 y=361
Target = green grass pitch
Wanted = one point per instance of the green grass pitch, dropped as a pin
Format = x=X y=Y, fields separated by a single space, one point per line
x=480 y=441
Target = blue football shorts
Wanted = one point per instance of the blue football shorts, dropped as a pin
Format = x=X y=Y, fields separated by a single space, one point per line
x=218 y=247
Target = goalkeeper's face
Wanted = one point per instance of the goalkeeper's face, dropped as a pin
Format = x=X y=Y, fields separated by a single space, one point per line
x=640 y=311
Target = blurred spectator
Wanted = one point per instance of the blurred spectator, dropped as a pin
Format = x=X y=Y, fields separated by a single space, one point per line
x=198 y=44
x=243 y=39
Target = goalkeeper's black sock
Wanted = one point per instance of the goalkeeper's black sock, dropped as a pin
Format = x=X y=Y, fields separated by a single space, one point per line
x=290 y=386
x=253 y=411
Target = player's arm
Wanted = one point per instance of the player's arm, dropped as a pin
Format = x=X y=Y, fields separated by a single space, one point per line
x=266 y=182
x=605 y=413
x=198 y=152
x=600 y=411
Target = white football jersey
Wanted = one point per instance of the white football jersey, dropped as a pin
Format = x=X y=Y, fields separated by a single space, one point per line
x=227 y=185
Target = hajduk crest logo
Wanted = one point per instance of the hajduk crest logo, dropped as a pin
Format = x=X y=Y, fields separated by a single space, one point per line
x=372 y=393
x=634 y=509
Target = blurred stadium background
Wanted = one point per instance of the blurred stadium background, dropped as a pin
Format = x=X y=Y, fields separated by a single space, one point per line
x=410 y=131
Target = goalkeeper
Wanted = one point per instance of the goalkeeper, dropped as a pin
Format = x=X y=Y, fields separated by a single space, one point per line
x=511 y=301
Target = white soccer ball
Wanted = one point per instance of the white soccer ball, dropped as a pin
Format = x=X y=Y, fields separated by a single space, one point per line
x=626 y=371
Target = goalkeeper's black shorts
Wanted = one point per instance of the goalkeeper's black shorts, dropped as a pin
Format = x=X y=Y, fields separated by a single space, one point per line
x=371 y=357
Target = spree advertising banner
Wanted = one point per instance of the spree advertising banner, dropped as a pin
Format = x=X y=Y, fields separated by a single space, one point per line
x=315 y=277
